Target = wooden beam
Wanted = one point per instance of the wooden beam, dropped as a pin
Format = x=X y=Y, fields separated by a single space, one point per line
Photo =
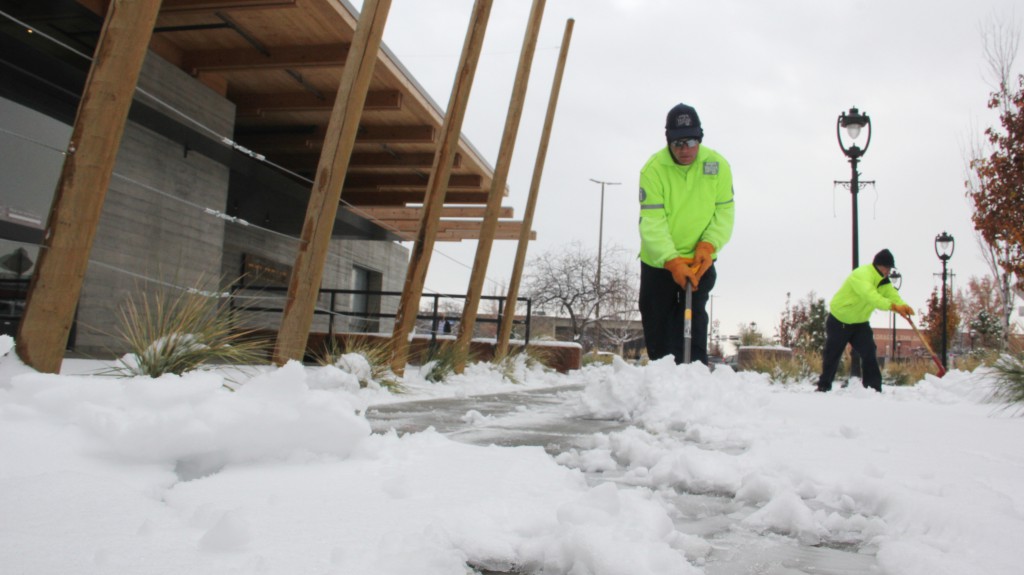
x=505 y=329
x=419 y=260
x=365 y=162
x=284 y=141
x=446 y=238
x=82 y=186
x=403 y=197
x=210 y=5
x=389 y=161
x=397 y=134
x=278 y=57
x=378 y=181
x=304 y=285
x=449 y=225
x=488 y=229
x=257 y=105
x=391 y=214
x=498 y=235
x=460 y=235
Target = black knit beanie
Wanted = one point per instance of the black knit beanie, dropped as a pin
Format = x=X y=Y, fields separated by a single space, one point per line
x=884 y=258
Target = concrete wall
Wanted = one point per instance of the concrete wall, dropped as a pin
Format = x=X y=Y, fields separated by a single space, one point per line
x=150 y=226
x=388 y=259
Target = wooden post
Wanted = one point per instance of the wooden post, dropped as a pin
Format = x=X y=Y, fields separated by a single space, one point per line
x=505 y=330
x=304 y=285
x=437 y=186
x=82 y=187
x=490 y=222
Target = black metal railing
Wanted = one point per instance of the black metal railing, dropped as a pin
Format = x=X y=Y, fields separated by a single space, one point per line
x=13 y=293
x=254 y=299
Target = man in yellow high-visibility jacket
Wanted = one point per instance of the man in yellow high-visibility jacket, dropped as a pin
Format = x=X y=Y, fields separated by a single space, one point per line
x=866 y=289
x=686 y=218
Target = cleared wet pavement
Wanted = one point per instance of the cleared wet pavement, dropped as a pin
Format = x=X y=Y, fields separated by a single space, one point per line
x=537 y=417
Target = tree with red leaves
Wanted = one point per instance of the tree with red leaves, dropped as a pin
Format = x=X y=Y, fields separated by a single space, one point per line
x=998 y=195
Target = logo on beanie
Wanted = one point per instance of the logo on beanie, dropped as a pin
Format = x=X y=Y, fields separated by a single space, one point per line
x=683 y=120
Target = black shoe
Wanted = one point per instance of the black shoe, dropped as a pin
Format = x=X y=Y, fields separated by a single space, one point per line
x=822 y=390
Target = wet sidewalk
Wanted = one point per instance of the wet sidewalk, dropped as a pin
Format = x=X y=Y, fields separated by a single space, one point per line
x=537 y=417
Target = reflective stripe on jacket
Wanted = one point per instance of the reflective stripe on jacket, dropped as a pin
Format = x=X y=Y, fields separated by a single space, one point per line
x=683 y=205
x=864 y=291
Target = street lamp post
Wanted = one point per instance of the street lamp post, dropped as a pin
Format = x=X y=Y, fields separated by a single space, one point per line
x=896 y=280
x=854 y=122
x=600 y=241
x=944 y=246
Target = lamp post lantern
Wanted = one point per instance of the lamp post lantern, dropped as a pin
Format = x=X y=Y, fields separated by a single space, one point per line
x=854 y=122
x=896 y=279
x=600 y=241
x=944 y=246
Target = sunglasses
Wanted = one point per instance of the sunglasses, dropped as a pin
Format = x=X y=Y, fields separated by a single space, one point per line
x=685 y=143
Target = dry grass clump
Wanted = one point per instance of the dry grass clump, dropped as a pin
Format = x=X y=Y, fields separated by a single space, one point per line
x=908 y=371
x=440 y=361
x=513 y=365
x=797 y=368
x=182 y=332
x=376 y=353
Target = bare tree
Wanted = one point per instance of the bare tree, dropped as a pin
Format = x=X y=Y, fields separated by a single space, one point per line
x=620 y=305
x=563 y=282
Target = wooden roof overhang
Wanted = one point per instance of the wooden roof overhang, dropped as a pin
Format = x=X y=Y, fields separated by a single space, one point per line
x=280 y=62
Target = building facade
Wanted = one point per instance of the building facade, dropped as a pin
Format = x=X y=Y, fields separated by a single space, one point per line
x=177 y=214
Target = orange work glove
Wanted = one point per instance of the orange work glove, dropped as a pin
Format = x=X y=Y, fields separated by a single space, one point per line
x=903 y=310
x=702 y=258
x=682 y=271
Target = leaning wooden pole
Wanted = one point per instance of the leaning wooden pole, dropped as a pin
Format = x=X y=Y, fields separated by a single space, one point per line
x=505 y=330
x=490 y=221
x=82 y=187
x=437 y=186
x=304 y=285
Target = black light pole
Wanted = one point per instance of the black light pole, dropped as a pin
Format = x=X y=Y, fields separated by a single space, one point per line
x=600 y=240
x=896 y=280
x=854 y=122
x=944 y=246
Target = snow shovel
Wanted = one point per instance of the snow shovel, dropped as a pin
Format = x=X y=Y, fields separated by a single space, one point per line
x=688 y=323
x=935 y=358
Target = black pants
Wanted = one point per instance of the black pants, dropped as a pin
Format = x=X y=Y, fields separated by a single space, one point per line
x=862 y=339
x=662 y=304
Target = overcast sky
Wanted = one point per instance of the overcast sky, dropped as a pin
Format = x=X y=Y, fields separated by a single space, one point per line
x=769 y=80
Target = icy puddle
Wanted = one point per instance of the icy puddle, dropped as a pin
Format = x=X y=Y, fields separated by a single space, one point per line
x=539 y=418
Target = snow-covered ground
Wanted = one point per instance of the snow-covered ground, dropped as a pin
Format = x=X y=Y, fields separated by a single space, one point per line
x=284 y=476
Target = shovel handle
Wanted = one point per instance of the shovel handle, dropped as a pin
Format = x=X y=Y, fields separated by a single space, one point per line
x=935 y=358
x=688 y=323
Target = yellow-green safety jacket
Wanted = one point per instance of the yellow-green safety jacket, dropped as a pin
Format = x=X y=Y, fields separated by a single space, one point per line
x=683 y=205
x=864 y=291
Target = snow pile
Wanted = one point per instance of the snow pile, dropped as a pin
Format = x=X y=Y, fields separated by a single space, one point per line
x=927 y=477
x=183 y=475
x=282 y=476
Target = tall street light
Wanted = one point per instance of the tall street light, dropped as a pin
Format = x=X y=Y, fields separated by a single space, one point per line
x=600 y=241
x=854 y=122
x=896 y=280
x=944 y=246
